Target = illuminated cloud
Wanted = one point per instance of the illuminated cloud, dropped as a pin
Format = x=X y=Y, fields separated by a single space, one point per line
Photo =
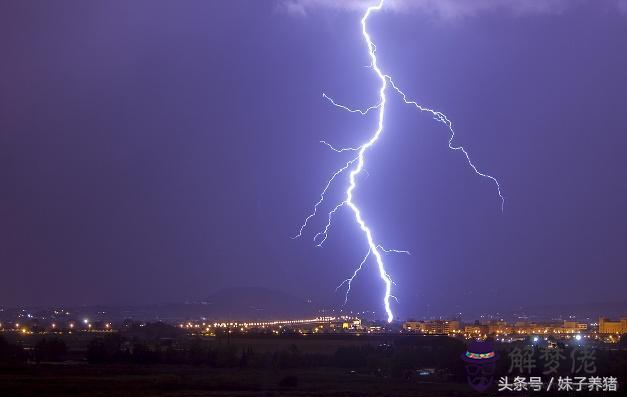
x=446 y=8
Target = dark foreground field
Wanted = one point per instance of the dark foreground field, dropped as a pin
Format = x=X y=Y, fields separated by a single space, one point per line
x=142 y=381
x=160 y=360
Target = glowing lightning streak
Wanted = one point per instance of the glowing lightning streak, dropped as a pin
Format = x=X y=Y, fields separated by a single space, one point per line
x=441 y=117
x=388 y=251
x=349 y=280
x=322 y=195
x=373 y=248
x=363 y=112
x=340 y=150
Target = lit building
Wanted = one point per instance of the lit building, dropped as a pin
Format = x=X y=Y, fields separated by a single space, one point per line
x=452 y=327
x=571 y=327
x=606 y=326
x=476 y=330
x=498 y=327
x=413 y=326
x=433 y=327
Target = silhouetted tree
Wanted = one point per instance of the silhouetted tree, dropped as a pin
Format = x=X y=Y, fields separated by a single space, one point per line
x=289 y=381
x=50 y=350
x=11 y=354
x=142 y=354
x=350 y=357
x=106 y=349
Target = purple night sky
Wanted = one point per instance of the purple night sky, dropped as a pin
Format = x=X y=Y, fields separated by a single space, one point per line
x=156 y=151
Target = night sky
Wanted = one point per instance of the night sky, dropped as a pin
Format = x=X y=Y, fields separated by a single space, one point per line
x=158 y=151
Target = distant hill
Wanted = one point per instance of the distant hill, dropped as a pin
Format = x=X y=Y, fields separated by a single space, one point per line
x=554 y=311
x=592 y=310
x=257 y=303
x=239 y=303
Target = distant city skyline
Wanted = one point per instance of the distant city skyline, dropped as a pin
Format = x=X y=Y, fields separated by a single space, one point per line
x=250 y=304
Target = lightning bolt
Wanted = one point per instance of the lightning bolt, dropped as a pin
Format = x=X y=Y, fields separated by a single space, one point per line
x=355 y=166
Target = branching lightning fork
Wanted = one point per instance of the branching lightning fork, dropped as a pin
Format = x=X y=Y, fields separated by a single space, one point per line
x=356 y=165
